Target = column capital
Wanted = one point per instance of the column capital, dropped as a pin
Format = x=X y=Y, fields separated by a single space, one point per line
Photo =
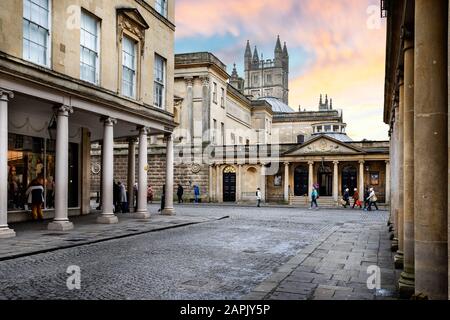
x=143 y=130
x=189 y=81
x=205 y=81
x=335 y=162
x=132 y=140
x=387 y=161
x=5 y=95
x=286 y=163
x=168 y=136
x=108 y=121
x=311 y=163
x=63 y=110
x=361 y=161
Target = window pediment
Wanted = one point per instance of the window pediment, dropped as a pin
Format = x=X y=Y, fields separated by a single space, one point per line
x=133 y=22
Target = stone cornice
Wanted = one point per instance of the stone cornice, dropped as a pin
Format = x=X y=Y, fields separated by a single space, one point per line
x=20 y=69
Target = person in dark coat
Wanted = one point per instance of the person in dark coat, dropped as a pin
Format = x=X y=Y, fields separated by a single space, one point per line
x=346 y=198
x=116 y=196
x=163 y=199
x=35 y=197
x=180 y=192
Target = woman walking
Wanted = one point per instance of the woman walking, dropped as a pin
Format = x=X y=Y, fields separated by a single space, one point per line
x=372 y=199
x=356 y=201
x=346 y=198
x=314 y=196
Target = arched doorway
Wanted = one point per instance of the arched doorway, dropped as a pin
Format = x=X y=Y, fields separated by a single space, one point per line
x=229 y=184
x=301 y=181
x=349 y=179
x=325 y=180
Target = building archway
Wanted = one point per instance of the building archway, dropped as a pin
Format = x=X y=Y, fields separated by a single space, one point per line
x=349 y=179
x=301 y=180
x=229 y=184
x=325 y=180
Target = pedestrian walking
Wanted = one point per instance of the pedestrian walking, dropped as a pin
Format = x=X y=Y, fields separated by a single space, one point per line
x=180 y=192
x=346 y=198
x=116 y=197
x=372 y=199
x=356 y=201
x=196 y=193
x=366 y=196
x=135 y=191
x=163 y=198
x=35 y=197
x=123 y=202
x=314 y=197
x=258 y=197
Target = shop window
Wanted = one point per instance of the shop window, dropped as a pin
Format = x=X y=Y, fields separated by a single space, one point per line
x=32 y=158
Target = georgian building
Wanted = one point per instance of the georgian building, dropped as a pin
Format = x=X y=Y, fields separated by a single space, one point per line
x=416 y=108
x=74 y=72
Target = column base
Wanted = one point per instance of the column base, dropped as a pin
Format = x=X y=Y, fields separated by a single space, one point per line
x=107 y=219
x=406 y=285
x=140 y=215
x=398 y=260
x=65 y=225
x=7 y=233
x=168 y=212
x=394 y=245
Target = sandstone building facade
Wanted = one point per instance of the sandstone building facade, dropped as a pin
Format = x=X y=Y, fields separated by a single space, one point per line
x=416 y=108
x=72 y=73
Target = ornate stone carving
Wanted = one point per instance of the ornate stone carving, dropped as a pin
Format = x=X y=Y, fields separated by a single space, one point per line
x=323 y=146
x=108 y=121
x=130 y=22
x=6 y=94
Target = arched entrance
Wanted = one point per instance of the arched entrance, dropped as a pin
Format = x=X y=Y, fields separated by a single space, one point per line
x=325 y=180
x=229 y=184
x=301 y=181
x=349 y=179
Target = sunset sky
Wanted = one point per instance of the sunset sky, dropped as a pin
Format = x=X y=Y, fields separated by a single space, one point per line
x=335 y=48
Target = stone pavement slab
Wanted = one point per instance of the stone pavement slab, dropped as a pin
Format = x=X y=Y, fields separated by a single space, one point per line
x=335 y=267
x=33 y=237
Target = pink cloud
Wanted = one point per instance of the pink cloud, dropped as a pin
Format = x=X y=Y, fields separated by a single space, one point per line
x=345 y=58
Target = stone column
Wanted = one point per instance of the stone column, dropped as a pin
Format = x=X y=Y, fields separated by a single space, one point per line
x=5 y=231
x=406 y=283
x=239 y=184
x=395 y=181
x=61 y=221
x=168 y=208
x=190 y=106
x=398 y=259
x=310 y=178
x=263 y=182
x=218 y=189
x=388 y=182
x=131 y=172
x=361 y=180
x=211 y=182
x=286 y=182
x=336 y=181
x=107 y=216
x=430 y=139
x=85 y=171
x=206 y=110
x=142 y=210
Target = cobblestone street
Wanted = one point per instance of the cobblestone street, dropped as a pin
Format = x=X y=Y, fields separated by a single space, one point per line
x=220 y=259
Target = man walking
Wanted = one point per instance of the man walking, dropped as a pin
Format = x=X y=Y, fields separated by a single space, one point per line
x=180 y=192
x=258 y=197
